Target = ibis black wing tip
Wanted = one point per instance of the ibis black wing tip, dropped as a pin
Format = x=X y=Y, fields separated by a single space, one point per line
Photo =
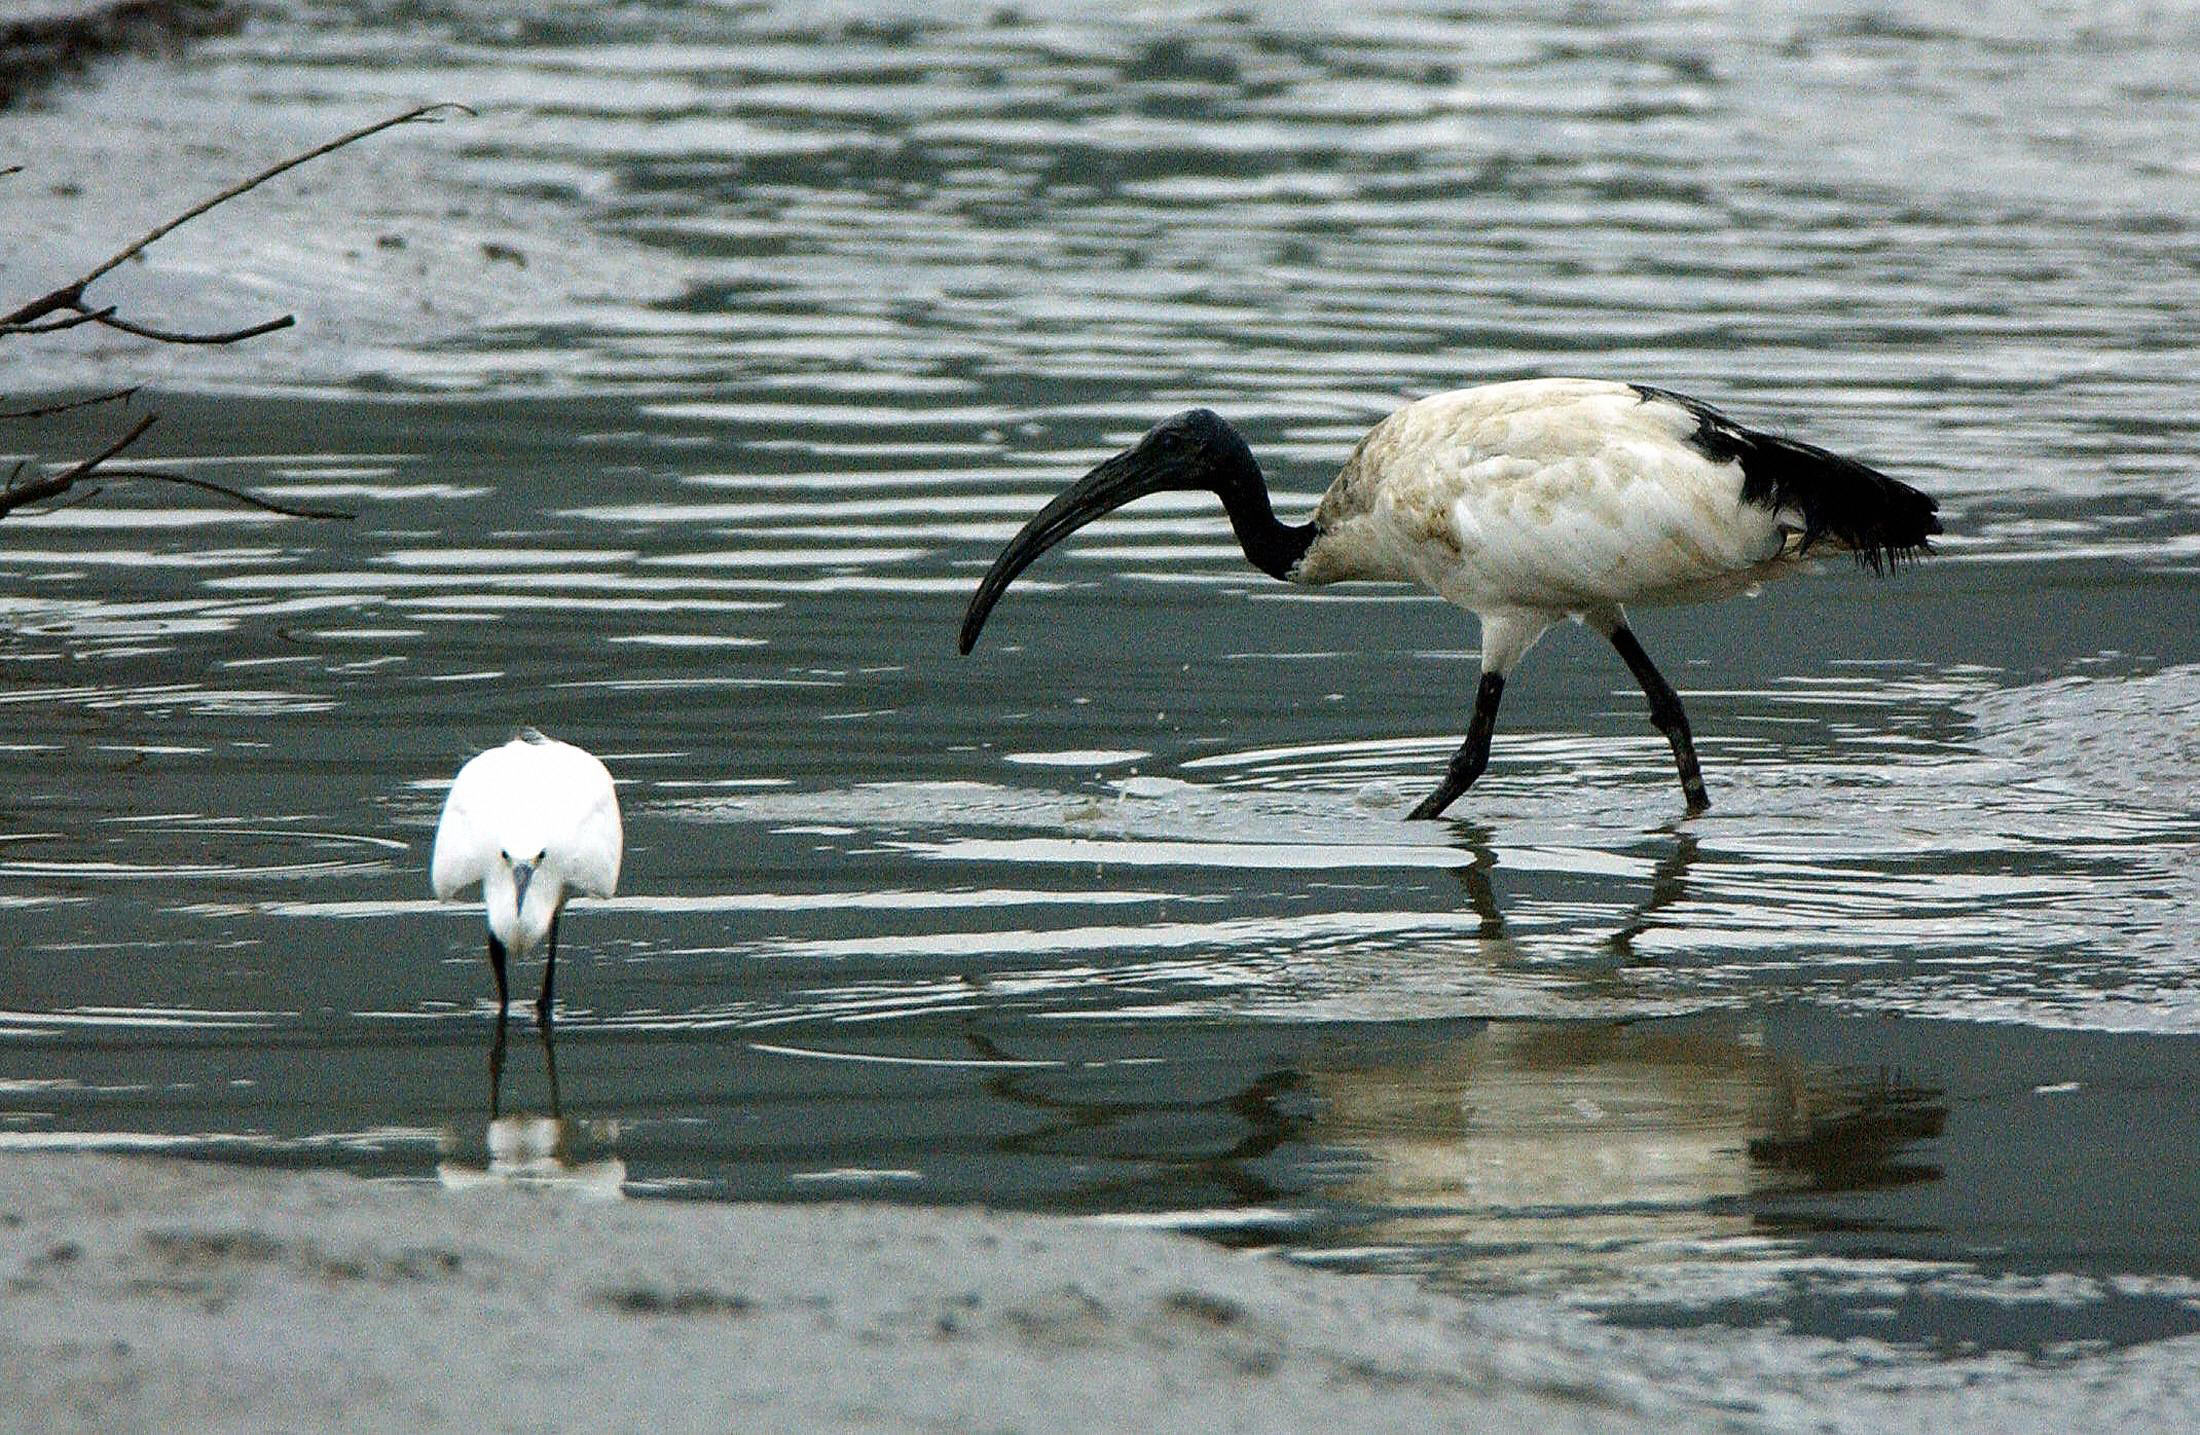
x=1915 y=538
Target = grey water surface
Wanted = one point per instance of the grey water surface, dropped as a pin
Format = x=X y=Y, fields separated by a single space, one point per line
x=683 y=396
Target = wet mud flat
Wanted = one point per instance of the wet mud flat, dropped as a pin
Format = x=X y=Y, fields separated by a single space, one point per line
x=162 y=1295
x=152 y=1294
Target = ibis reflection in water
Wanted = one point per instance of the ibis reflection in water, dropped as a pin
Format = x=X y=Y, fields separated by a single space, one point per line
x=533 y=822
x=1525 y=503
x=1528 y=1148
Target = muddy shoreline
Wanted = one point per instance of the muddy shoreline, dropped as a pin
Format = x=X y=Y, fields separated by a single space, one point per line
x=153 y=1294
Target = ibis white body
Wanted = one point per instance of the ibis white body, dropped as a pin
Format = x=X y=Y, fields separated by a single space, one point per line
x=1525 y=503
x=534 y=822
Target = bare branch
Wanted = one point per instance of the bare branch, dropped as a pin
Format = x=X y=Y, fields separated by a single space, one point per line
x=106 y=316
x=51 y=409
x=52 y=485
x=250 y=500
x=77 y=498
x=71 y=295
x=37 y=317
x=16 y=494
x=81 y=316
x=422 y=113
x=170 y=336
x=20 y=322
x=137 y=431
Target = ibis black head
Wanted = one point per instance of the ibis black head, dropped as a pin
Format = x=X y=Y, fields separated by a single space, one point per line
x=1188 y=451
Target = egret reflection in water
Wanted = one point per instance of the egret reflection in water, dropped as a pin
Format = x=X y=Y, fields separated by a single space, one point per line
x=534 y=1149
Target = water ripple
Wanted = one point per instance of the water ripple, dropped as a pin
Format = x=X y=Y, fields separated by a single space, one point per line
x=682 y=398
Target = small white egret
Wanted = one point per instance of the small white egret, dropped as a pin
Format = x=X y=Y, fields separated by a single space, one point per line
x=1525 y=503
x=533 y=822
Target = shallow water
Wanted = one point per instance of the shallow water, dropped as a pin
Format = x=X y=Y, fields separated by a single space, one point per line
x=1119 y=916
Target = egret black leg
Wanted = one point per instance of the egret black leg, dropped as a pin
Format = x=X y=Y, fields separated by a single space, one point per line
x=1665 y=715
x=1473 y=754
x=496 y=1071
x=549 y=974
x=496 y=964
x=550 y=1066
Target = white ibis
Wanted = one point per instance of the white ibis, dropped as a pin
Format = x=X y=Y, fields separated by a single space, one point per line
x=1525 y=503
x=533 y=821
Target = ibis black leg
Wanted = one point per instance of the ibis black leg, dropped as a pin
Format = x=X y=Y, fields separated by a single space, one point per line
x=1668 y=885
x=496 y=964
x=1665 y=715
x=549 y=974
x=1482 y=896
x=1473 y=754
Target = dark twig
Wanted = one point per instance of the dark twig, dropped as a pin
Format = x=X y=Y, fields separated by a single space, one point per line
x=169 y=336
x=53 y=485
x=71 y=295
x=68 y=301
x=250 y=500
x=51 y=409
x=75 y=498
x=55 y=326
x=130 y=250
x=16 y=494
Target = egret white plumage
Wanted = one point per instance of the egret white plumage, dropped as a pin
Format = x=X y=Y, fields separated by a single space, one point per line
x=534 y=822
x=1525 y=503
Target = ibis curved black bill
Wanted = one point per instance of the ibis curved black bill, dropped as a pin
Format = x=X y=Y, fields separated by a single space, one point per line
x=1193 y=450
x=1128 y=476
